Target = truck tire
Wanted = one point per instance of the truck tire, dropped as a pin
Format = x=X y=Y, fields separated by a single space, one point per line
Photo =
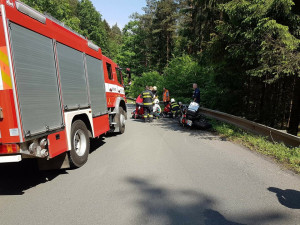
x=80 y=143
x=122 y=120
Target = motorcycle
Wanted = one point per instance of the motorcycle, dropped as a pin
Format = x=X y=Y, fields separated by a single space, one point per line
x=190 y=116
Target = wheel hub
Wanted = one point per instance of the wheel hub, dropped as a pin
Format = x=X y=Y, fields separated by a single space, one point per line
x=122 y=120
x=79 y=142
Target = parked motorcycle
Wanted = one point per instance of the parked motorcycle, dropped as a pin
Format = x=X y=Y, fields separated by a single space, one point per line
x=190 y=116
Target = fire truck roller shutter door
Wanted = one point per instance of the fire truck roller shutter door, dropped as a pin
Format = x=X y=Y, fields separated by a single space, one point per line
x=72 y=77
x=97 y=85
x=36 y=80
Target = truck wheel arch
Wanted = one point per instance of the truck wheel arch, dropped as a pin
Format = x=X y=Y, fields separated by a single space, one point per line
x=84 y=118
x=120 y=102
x=72 y=116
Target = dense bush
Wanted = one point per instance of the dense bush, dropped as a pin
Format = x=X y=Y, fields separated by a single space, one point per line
x=149 y=79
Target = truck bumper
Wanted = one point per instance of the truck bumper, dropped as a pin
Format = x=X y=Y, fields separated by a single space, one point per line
x=10 y=158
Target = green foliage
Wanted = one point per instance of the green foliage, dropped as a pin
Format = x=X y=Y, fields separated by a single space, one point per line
x=133 y=51
x=179 y=76
x=147 y=79
x=149 y=39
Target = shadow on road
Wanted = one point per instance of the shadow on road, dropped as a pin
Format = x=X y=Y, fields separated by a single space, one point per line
x=97 y=143
x=173 y=206
x=288 y=198
x=173 y=124
x=16 y=178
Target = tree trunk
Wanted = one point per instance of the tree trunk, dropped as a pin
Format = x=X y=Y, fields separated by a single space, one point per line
x=261 y=104
x=295 y=113
x=168 y=40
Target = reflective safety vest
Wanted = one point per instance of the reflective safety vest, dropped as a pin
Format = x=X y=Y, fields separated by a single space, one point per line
x=147 y=96
x=174 y=106
x=166 y=97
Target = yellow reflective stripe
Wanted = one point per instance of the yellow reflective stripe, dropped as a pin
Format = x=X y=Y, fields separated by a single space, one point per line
x=150 y=115
x=6 y=79
x=148 y=103
x=4 y=58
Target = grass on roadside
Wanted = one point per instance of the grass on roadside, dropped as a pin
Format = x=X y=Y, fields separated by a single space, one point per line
x=289 y=157
x=129 y=101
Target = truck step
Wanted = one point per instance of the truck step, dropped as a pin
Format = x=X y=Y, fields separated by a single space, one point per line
x=112 y=113
x=113 y=123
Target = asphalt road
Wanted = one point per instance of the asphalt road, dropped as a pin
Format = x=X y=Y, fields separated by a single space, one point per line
x=155 y=173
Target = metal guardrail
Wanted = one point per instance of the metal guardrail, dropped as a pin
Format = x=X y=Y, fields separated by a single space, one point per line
x=273 y=134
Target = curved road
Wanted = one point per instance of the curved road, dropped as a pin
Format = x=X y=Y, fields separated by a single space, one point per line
x=155 y=173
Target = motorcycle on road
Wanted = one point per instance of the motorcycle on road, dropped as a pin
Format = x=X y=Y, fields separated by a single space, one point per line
x=191 y=116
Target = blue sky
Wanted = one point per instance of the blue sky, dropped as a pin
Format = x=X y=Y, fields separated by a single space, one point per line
x=118 y=11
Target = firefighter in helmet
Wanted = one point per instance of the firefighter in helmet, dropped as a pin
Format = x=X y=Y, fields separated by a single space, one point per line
x=154 y=91
x=175 y=109
x=147 y=96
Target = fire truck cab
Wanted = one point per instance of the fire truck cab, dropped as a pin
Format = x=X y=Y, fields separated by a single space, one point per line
x=57 y=90
x=115 y=94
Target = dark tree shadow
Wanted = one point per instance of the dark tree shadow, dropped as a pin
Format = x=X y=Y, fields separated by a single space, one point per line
x=215 y=218
x=16 y=178
x=289 y=198
x=179 y=207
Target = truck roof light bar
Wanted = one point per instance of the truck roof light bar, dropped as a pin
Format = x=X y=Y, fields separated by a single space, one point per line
x=30 y=12
x=93 y=46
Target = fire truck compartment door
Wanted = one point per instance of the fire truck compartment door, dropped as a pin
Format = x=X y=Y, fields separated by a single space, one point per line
x=72 y=77
x=97 y=85
x=36 y=80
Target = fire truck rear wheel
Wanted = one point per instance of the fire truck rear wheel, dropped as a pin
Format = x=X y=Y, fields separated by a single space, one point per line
x=80 y=144
x=122 y=120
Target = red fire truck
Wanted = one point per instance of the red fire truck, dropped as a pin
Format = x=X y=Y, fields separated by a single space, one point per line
x=57 y=90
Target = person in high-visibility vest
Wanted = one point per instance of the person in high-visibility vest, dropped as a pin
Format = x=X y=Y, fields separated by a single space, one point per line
x=174 y=108
x=147 y=96
x=166 y=96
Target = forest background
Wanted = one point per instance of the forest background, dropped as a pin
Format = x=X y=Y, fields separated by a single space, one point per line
x=244 y=54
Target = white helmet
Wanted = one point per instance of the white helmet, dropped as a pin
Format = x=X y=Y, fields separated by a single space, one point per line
x=155 y=88
x=172 y=100
x=156 y=101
